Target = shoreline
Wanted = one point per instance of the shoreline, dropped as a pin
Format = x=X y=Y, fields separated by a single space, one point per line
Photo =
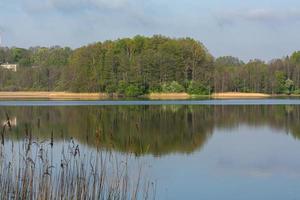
x=168 y=96
x=224 y=95
x=239 y=95
x=52 y=95
x=151 y=96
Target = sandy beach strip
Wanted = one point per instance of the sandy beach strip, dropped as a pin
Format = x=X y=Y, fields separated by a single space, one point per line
x=51 y=95
x=95 y=96
x=168 y=96
x=239 y=95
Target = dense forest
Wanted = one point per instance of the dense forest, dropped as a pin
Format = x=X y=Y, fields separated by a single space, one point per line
x=141 y=65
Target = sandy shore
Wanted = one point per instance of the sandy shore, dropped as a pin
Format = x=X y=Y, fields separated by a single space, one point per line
x=95 y=96
x=239 y=95
x=168 y=96
x=225 y=95
x=51 y=95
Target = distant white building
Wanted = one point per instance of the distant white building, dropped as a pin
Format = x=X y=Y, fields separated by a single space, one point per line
x=12 y=67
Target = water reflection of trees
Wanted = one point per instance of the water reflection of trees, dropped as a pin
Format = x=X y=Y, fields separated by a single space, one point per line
x=148 y=129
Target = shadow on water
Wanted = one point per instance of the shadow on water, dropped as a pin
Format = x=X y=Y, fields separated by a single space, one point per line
x=146 y=129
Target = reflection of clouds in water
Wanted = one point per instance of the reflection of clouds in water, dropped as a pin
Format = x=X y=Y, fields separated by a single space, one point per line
x=264 y=169
x=253 y=153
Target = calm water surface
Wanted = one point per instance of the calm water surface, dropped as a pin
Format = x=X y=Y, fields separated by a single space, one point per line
x=227 y=149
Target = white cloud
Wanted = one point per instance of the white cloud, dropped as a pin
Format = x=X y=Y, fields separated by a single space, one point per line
x=260 y=33
x=73 y=5
x=77 y=22
x=110 y=3
x=261 y=15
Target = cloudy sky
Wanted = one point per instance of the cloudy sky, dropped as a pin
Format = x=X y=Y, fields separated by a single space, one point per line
x=247 y=29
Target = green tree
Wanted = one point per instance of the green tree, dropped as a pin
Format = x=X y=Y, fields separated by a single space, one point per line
x=173 y=87
x=280 y=82
x=133 y=91
x=198 y=88
x=289 y=86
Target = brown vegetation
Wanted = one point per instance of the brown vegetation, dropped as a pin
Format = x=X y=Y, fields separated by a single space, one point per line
x=31 y=169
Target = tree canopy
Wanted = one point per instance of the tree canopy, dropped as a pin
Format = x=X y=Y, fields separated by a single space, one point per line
x=139 y=65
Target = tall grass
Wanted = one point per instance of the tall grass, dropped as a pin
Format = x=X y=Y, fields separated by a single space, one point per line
x=33 y=169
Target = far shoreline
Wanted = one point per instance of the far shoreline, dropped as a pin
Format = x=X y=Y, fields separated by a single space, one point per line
x=239 y=95
x=52 y=95
x=151 y=96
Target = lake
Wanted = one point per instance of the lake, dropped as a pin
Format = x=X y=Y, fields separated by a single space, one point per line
x=210 y=149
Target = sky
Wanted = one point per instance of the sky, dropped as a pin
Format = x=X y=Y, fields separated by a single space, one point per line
x=248 y=29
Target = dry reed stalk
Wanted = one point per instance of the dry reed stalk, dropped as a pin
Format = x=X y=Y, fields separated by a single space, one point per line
x=79 y=175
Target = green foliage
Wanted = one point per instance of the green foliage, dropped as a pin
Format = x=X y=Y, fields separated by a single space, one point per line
x=295 y=58
x=280 y=82
x=144 y=62
x=133 y=91
x=289 y=86
x=125 y=66
x=17 y=54
x=134 y=66
x=122 y=86
x=228 y=61
x=198 y=88
x=156 y=89
x=111 y=89
x=296 y=91
x=173 y=87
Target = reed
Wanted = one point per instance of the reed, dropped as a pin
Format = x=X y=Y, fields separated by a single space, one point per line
x=34 y=169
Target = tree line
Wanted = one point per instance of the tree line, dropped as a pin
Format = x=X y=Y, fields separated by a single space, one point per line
x=140 y=65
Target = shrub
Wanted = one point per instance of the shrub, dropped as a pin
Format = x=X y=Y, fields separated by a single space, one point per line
x=198 y=88
x=289 y=86
x=110 y=89
x=133 y=91
x=173 y=87
x=122 y=87
x=296 y=91
x=155 y=89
